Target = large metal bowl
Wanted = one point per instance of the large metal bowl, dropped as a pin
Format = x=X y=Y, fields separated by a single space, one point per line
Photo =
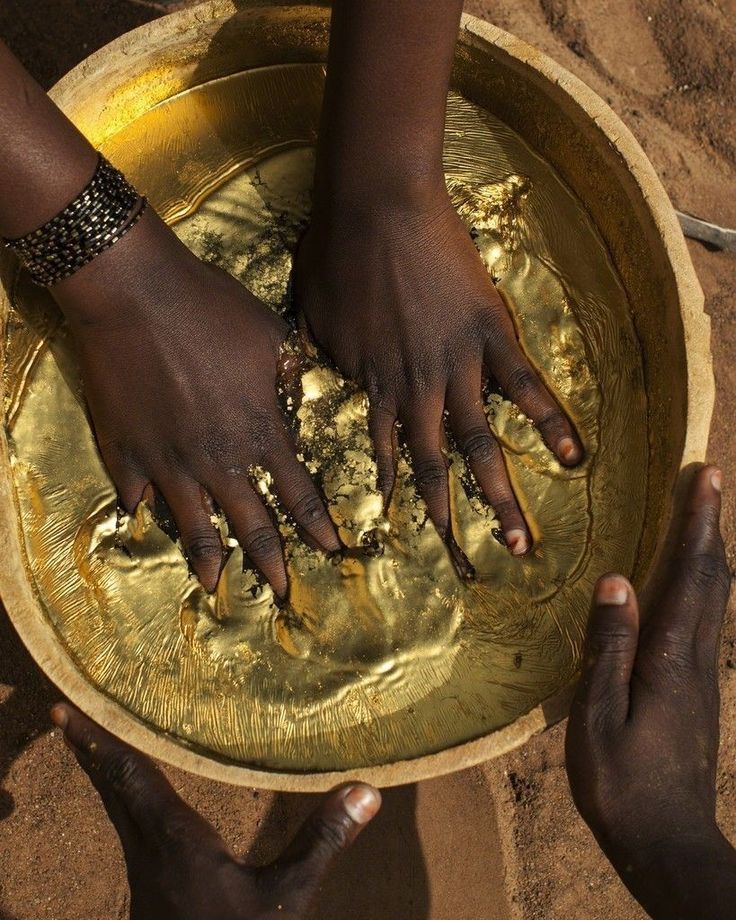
x=600 y=162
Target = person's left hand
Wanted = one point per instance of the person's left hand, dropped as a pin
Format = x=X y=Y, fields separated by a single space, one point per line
x=642 y=739
x=179 y=868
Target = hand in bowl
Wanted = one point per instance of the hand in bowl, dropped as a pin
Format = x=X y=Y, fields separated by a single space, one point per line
x=399 y=298
x=180 y=367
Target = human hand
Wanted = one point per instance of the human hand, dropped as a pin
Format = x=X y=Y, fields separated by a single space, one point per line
x=179 y=868
x=642 y=739
x=180 y=365
x=401 y=301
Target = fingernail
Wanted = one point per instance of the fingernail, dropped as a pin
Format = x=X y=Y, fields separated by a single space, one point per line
x=716 y=480
x=362 y=803
x=568 y=450
x=517 y=542
x=612 y=590
x=463 y=566
x=60 y=717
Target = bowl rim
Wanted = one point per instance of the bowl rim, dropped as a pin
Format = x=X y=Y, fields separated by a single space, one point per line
x=47 y=648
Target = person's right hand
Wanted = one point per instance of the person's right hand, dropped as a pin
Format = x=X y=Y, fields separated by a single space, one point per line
x=642 y=740
x=401 y=302
x=180 y=367
x=179 y=868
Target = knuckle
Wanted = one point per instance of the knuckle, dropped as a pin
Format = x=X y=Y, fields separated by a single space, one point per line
x=122 y=771
x=218 y=447
x=262 y=430
x=382 y=407
x=263 y=543
x=309 y=509
x=330 y=834
x=118 y=454
x=203 y=546
x=707 y=571
x=234 y=472
x=417 y=379
x=430 y=476
x=522 y=381
x=479 y=446
x=610 y=642
x=87 y=741
x=603 y=708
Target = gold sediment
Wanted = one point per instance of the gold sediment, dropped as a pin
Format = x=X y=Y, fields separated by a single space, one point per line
x=384 y=655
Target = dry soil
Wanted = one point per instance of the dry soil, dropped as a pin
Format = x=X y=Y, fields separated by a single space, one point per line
x=502 y=840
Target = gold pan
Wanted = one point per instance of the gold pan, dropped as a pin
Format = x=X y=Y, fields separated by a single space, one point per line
x=384 y=666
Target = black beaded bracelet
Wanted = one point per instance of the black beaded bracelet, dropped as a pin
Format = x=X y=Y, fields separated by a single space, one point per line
x=97 y=218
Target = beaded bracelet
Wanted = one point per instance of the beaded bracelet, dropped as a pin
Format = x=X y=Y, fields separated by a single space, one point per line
x=97 y=218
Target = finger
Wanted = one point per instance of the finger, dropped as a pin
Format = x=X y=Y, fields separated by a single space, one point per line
x=523 y=386
x=192 y=511
x=485 y=457
x=382 y=430
x=328 y=832
x=126 y=828
x=129 y=481
x=610 y=652
x=255 y=531
x=144 y=802
x=696 y=591
x=307 y=339
x=300 y=497
x=423 y=424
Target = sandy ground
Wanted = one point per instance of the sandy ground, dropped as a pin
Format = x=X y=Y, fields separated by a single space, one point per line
x=503 y=840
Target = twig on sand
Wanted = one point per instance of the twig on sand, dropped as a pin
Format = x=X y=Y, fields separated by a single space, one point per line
x=712 y=234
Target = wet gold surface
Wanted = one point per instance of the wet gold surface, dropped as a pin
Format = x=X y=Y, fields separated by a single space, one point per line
x=386 y=655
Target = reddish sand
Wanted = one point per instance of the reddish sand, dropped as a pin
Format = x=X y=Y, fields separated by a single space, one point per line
x=503 y=840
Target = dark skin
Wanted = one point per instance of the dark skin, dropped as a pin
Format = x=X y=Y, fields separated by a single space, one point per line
x=387 y=278
x=419 y=337
x=641 y=750
x=179 y=361
x=642 y=740
x=179 y=868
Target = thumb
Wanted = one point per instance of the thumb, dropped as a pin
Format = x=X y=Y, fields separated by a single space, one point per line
x=137 y=796
x=330 y=830
x=610 y=652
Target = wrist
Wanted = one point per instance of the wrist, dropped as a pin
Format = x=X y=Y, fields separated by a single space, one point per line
x=637 y=833
x=688 y=876
x=366 y=197
x=103 y=292
x=665 y=852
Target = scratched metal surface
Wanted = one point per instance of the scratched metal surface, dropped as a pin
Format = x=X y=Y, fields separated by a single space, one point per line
x=384 y=656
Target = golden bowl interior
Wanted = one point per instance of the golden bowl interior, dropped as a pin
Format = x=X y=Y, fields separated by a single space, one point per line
x=383 y=665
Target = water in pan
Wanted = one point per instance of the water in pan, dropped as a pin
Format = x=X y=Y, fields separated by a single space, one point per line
x=385 y=655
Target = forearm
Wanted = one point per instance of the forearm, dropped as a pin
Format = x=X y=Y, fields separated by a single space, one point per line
x=685 y=880
x=44 y=160
x=388 y=74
